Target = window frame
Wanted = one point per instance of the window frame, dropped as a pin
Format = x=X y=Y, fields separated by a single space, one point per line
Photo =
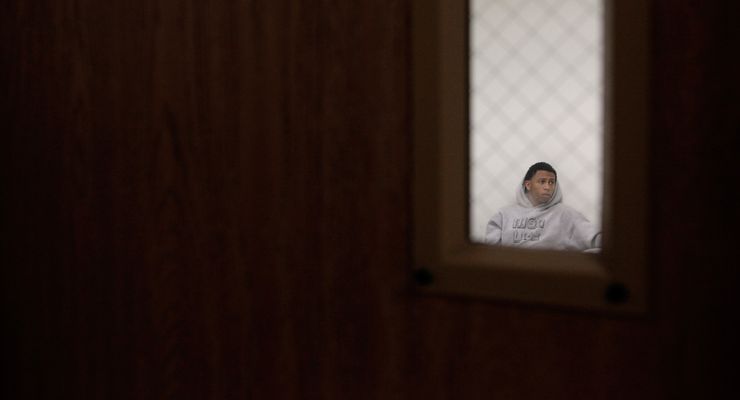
x=445 y=259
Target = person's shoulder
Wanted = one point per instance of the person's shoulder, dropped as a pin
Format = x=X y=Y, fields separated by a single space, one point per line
x=569 y=211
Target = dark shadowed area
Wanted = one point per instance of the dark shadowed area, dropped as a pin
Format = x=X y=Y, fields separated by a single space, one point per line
x=211 y=200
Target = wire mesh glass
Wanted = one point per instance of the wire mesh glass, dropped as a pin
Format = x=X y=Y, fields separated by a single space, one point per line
x=536 y=95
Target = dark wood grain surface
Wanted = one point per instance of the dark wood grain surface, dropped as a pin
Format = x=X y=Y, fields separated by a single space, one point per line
x=211 y=200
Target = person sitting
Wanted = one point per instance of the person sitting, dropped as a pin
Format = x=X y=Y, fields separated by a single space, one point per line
x=540 y=219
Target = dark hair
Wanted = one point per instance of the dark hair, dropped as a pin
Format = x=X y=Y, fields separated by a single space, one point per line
x=540 y=166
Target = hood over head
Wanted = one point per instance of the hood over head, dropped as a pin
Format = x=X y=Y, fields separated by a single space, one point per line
x=523 y=200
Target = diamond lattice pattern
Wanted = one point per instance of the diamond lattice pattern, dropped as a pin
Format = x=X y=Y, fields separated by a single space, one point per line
x=536 y=95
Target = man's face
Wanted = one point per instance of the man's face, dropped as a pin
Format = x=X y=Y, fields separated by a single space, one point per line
x=541 y=187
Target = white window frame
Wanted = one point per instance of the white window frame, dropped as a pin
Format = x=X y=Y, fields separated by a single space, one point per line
x=446 y=261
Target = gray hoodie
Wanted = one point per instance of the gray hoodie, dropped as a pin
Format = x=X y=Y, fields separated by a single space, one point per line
x=552 y=225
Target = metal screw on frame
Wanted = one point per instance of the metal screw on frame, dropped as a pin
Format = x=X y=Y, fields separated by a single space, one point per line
x=616 y=293
x=423 y=277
